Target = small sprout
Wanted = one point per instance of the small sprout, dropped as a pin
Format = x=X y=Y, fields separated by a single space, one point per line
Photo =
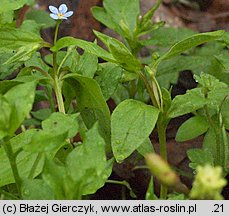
x=61 y=13
x=208 y=183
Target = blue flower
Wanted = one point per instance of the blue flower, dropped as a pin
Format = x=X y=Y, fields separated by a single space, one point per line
x=61 y=13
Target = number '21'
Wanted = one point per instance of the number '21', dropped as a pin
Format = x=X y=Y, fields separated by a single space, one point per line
x=218 y=208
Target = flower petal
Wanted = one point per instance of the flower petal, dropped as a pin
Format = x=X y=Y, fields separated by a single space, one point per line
x=54 y=16
x=68 y=14
x=63 y=8
x=53 y=9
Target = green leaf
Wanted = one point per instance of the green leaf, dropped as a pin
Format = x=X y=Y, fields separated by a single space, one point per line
x=150 y=195
x=168 y=72
x=173 y=35
x=6 y=70
x=120 y=52
x=6 y=17
x=192 y=128
x=191 y=101
x=93 y=182
x=209 y=82
x=14 y=38
x=85 y=45
x=190 y=42
x=31 y=26
x=5 y=114
x=218 y=97
x=6 y=85
x=217 y=92
x=42 y=114
x=209 y=143
x=8 y=5
x=146 y=147
x=224 y=60
x=45 y=141
x=69 y=93
x=41 y=17
x=36 y=189
x=31 y=123
x=21 y=99
x=87 y=162
x=59 y=123
x=109 y=75
x=19 y=41
x=131 y=123
x=91 y=104
x=199 y=157
x=57 y=178
x=87 y=65
x=36 y=61
x=25 y=160
x=202 y=60
x=56 y=129
x=73 y=59
x=225 y=113
x=23 y=53
x=225 y=38
x=124 y=13
x=102 y=16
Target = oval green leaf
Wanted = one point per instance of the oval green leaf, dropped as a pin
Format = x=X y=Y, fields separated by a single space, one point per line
x=192 y=128
x=131 y=124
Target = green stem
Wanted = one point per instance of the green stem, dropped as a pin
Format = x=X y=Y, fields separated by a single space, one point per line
x=12 y=159
x=55 y=63
x=58 y=93
x=57 y=83
x=55 y=39
x=161 y=130
x=56 y=31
